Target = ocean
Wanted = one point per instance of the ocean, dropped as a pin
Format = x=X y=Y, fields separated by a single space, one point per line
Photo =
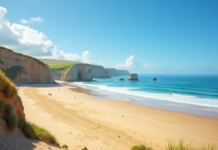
x=193 y=94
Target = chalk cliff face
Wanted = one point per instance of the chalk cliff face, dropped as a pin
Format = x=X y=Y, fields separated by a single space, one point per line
x=78 y=72
x=99 y=72
x=123 y=72
x=24 y=69
x=112 y=72
x=115 y=72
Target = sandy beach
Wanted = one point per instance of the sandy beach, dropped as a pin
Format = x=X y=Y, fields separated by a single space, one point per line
x=76 y=118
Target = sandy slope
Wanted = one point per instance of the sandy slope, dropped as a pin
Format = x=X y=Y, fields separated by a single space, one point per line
x=79 y=119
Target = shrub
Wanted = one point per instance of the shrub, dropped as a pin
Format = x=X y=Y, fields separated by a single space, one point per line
x=2 y=106
x=32 y=131
x=11 y=121
x=8 y=110
x=64 y=146
x=2 y=80
x=43 y=135
x=173 y=145
x=140 y=147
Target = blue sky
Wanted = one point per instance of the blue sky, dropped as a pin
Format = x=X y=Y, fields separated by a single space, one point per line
x=142 y=36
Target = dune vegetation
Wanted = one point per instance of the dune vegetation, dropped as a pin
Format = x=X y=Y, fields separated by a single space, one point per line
x=12 y=121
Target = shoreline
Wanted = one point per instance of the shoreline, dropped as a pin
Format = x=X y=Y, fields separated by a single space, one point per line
x=173 y=107
x=110 y=124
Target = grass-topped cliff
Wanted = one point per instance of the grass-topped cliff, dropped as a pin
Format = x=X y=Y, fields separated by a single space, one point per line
x=59 y=67
x=21 y=68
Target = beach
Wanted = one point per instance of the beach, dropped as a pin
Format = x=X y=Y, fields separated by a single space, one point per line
x=78 y=118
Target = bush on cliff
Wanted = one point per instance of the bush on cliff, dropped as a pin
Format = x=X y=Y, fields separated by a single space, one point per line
x=11 y=121
x=7 y=87
x=2 y=107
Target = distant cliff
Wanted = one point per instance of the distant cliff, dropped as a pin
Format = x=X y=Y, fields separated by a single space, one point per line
x=114 y=72
x=123 y=72
x=21 y=68
x=99 y=72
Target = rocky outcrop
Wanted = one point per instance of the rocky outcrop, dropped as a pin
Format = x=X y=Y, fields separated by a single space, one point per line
x=154 y=79
x=122 y=72
x=133 y=76
x=24 y=69
x=99 y=72
x=77 y=72
x=112 y=71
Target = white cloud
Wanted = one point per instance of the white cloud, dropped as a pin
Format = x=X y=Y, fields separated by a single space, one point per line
x=26 y=40
x=132 y=62
x=176 y=68
x=32 y=20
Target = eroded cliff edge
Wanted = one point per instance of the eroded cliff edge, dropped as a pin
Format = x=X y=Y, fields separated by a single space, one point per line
x=24 y=69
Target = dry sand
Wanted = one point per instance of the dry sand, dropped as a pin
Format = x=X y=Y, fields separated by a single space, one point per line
x=80 y=119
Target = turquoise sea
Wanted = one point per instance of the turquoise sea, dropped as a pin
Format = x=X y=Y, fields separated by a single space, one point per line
x=195 y=94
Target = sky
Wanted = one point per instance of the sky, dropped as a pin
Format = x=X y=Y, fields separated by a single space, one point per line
x=142 y=36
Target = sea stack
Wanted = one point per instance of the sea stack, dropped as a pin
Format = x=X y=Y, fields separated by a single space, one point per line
x=154 y=79
x=133 y=76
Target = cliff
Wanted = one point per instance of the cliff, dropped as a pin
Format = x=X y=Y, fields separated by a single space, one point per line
x=21 y=68
x=115 y=72
x=99 y=72
x=112 y=71
x=123 y=72
x=72 y=72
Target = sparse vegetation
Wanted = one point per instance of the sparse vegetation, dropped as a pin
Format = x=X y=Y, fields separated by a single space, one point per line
x=64 y=146
x=7 y=87
x=180 y=145
x=14 y=71
x=32 y=131
x=140 y=147
x=8 y=110
x=11 y=121
x=2 y=106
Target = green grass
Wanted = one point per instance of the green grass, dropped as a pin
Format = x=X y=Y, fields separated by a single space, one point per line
x=140 y=147
x=14 y=71
x=64 y=146
x=33 y=131
x=8 y=110
x=2 y=106
x=11 y=121
x=180 y=145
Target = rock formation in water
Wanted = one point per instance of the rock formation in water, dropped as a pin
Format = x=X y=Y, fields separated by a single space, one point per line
x=99 y=72
x=154 y=79
x=24 y=69
x=133 y=76
x=76 y=72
